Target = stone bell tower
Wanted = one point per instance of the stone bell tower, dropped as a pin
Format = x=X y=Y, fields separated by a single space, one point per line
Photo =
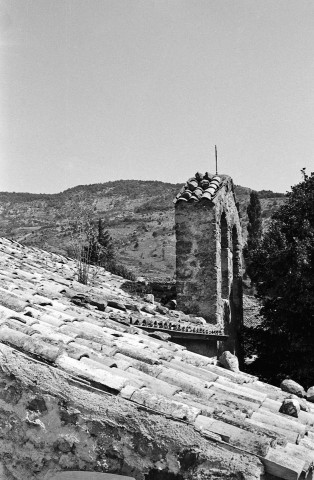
x=209 y=253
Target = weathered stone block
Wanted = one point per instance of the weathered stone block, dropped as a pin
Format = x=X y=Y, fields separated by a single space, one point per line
x=290 y=407
x=310 y=394
x=149 y=298
x=229 y=361
x=292 y=387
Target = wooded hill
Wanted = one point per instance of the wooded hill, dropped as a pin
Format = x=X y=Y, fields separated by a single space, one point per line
x=138 y=214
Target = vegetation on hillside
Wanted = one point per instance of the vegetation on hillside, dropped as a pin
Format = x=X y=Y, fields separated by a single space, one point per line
x=92 y=245
x=139 y=216
x=282 y=269
x=270 y=194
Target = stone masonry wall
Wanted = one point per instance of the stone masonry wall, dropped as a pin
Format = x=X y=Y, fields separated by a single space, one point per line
x=208 y=261
x=196 y=260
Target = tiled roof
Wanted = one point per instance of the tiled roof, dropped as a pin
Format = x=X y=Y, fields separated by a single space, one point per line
x=201 y=187
x=89 y=332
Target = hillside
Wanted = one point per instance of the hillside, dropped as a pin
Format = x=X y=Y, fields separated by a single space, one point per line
x=138 y=214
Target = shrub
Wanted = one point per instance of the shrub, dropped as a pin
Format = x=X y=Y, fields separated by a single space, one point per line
x=282 y=268
x=121 y=270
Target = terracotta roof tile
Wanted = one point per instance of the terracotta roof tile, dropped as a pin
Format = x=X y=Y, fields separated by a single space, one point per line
x=164 y=405
x=186 y=382
x=138 y=354
x=196 y=372
x=236 y=377
x=123 y=362
x=232 y=400
x=257 y=445
x=157 y=385
x=205 y=409
x=90 y=344
x=240 y=390
x=43 y=316
x=302 y=453
x=76 y=350
x=55 y=338
x=290 y=466
x=19 y=326
x=29 y=344
x=12 y=301
x=7 y=313
x=76 y=367
x=150 y=369
x=202 y=187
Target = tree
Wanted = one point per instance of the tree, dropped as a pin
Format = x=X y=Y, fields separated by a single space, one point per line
x=254 y=229
x=102 y=252
x=101 y=246
x=282 y=268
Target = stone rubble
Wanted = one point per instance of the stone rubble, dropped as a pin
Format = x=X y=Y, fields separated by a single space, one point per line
x=310 y=394
x=229 y=361
x=290 y=407
x=292 y=387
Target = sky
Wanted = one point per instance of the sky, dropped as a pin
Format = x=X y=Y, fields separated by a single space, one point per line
x=99 y=90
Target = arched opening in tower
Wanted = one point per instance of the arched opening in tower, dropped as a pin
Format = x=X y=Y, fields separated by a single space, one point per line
x=236 y=260
x=224 y=257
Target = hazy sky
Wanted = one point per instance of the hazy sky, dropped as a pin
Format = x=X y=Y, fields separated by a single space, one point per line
x=98 y=90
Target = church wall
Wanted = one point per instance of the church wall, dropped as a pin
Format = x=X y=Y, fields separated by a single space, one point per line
x=196 y=260
x=208 y=261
